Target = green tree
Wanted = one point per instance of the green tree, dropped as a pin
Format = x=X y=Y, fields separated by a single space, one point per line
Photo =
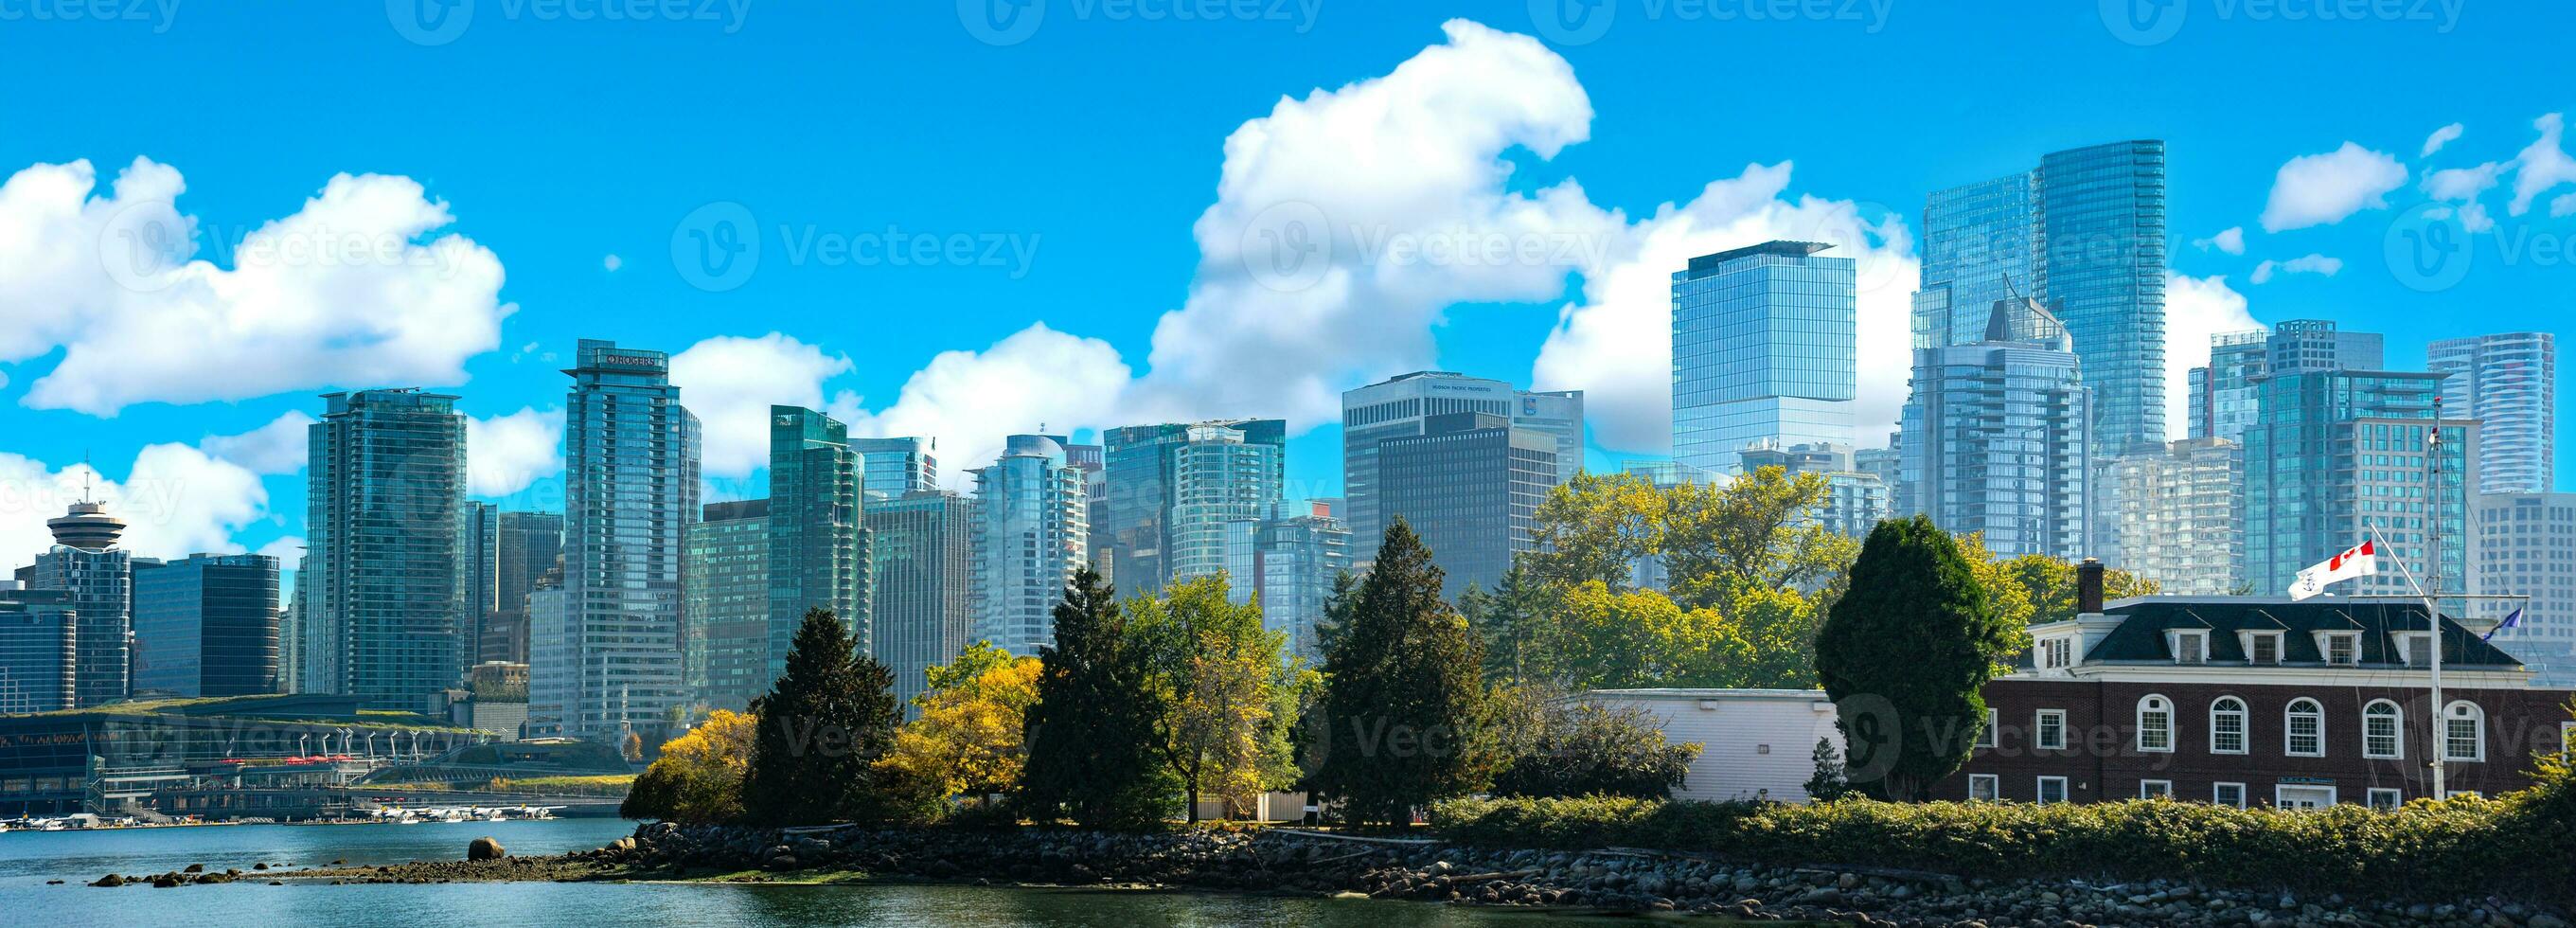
x=1515 y=624
x=1905 y=656
x=1217 y=671
x=2049 y=584
x=1092 y=748
x=1402 y=691
x=1593 y=528
x=1585 y=749
x=823 y=726
x=1758 y=530
x=698 y=777
x=974 y=717
x=1640 y=638
x=1829 y=782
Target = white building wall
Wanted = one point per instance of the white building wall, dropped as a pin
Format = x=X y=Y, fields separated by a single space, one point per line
x=1753 y=743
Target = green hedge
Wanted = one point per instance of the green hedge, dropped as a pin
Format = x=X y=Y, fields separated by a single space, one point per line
x=2519 y=846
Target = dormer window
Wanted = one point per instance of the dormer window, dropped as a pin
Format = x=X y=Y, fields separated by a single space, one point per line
x=2340 y=648
x=2262 y=648
x=2190 y=646
x=2416 y=648
x=2056 y=653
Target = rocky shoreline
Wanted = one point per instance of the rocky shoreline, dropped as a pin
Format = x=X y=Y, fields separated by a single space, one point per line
x=1282 y=861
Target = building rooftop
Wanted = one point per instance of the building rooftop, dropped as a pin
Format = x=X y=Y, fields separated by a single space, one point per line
x=2141 y=638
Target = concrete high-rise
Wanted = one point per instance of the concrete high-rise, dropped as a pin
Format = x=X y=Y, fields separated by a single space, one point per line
x=1764 y=351
x=2524 y=544
x=1032 y=531
x=2181 y=518
x=1398 y=406
x=1470 y=485
x=2509 y=383
x=921 y=547
x=206 y=625
x=724 y=608
x=388 y=619
x=631 y=456
x=817 y=543
x=1173 y=487
x=86 y=561
x=1994 y=438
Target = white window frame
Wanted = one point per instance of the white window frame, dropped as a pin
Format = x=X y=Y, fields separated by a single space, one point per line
x=1994 y=787
x=2290 y=716
x=2039 y=730
x=2173 y=643
x=2333 y=796
x=2056 y=653
x=2156 y=702
x=2244 y=717
x=2039 y=791
x=2394 y=798
x=2457 y=793
x=2247 y=640
x=2477 y=719
x=2218 y=795
x=2155 y=789
x=1992 y=736
x=2328 y=641
x=2406 y=647
x=2396 y=739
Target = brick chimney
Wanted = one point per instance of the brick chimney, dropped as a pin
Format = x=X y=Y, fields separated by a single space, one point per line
x=2088 y=587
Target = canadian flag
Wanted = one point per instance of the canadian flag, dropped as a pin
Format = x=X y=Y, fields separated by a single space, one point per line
x=2356 y=562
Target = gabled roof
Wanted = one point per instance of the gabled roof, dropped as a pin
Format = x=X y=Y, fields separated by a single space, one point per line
x=2140 y=637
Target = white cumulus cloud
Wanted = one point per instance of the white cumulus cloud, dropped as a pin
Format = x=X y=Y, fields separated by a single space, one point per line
x=2304 y=264
x=2322 y=189
x=970 y=400
x=2462 y=183
x=2231 y=241
x=730 y=382
x=2440 y=137
x=279 y=447
x=175 y=500
x=2541 y=165
x=2195 y=309
x=507 y=454
x=355 y=287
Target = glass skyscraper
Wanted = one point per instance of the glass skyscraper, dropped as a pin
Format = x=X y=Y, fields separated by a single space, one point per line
x=1172 y=488
x=1399 y=405
x=1764 y=349
x=817 y=545
x=1979 y=244
x=1288 y=563
x=100 y=576
x=388 y=618
x=2222 y=394
x=1856 y=500
x=724 y=607
x=631 y=459
x=36 y=649
x=2509 y=383
x=895 y=466
x=2339 y=453
x=207 y=626
x=1032 y=531
x=529 y=545
x=921 y=546
x=1995 y=440
x=1470 y=486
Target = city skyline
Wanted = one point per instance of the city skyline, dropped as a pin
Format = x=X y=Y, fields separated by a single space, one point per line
x=2264 y=197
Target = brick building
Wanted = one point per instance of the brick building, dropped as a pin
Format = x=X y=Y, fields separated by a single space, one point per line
x=2254 y=701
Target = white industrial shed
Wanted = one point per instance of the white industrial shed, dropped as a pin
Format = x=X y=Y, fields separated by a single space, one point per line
x=1754 y=744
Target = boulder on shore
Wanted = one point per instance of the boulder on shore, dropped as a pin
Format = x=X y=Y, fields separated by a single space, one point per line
x=484 y=848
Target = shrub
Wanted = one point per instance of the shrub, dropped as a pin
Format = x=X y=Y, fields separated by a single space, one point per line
x=1586 y=749
x=2514 y=846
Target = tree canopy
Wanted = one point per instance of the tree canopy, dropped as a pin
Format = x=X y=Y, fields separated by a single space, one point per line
x=823 y=726
x=698 y=778
x=1402 y=693
x=969 y=739
x=1093 y=748
x=1905 y=655
x=1218 y=676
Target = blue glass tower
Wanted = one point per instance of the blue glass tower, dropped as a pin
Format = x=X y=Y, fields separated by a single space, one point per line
x=1995 y=437
x=1763 y=351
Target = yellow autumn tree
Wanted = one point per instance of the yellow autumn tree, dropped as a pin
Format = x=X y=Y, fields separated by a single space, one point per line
x=969 y=738
x=698 y=778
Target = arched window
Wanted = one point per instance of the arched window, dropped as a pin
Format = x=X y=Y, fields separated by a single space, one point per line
x=2155 y=724
x=2227 y=726
x=2303 y=730
x=2383 y=727
x=2464 y=732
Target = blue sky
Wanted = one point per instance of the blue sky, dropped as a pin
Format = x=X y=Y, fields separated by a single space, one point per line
x=1073 y=170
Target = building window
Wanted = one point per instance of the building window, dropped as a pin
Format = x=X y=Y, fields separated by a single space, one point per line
x=2052 y=790
x=2155 y=725
x=2262 y=647
x=1990 y=737
x=2304 y=731
x=2383 y=799
x=2417 y=647
x=2464 y=732
x=1984 y=787
x=2155 y=789
x=2567 y=737
x=2190 y=647
x=2048 y=733
x=2342 y=648
x=2231 y=795
x=2382 y=727
x=2056 y=654
x=2227 y=726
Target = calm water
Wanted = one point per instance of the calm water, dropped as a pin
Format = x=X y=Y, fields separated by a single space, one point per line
x=28 y=859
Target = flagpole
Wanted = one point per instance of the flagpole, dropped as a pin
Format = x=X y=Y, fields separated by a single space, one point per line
x=2432 y=602
x=2433 y=621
